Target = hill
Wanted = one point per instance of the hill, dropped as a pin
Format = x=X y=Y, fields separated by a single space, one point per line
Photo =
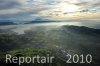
x=59 y=41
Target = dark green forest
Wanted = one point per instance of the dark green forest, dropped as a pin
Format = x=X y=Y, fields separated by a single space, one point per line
x=57 y=42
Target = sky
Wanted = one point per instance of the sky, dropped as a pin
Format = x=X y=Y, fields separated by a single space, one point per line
x=27 y=10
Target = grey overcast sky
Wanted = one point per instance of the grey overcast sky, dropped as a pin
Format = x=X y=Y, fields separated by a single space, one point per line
x=27 y=10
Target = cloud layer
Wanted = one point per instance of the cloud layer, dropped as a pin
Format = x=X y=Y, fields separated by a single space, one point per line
x=49 y=9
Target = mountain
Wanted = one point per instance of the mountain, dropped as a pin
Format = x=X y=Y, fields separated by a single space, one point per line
x=81 y=29
x=59 y=40
x=6 y=22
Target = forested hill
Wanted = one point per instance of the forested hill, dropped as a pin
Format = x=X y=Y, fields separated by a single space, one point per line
x=59 y=40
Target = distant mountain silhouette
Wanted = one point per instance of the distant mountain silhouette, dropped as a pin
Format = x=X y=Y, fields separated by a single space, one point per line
x=81 y=29
x=6 y=22
x=41 y=21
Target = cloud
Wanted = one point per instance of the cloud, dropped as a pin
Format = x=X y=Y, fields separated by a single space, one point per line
x=85 y=4
x=14 y=9
x=89 y=4
x=18 y=9
x=7 y=4
x=11 y=6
